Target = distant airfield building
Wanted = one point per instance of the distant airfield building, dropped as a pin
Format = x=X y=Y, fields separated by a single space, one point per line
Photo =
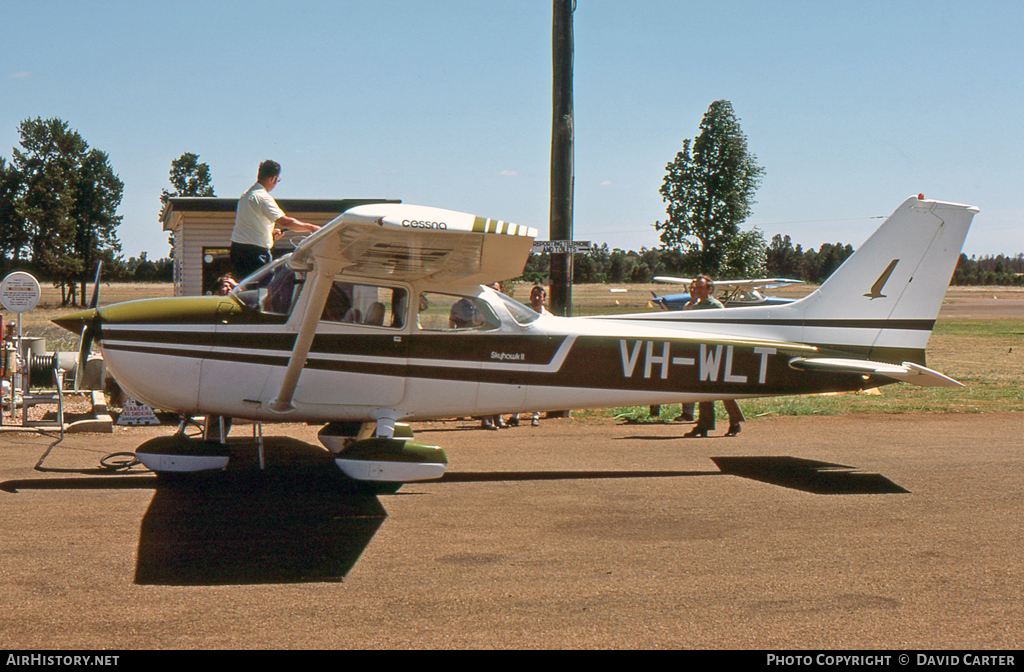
x=200 y=234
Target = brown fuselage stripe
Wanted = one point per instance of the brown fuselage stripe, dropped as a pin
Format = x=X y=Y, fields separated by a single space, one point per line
x=900 y=325
x=593 y=362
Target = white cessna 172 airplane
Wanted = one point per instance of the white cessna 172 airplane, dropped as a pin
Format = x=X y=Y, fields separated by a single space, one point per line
x=381 y=317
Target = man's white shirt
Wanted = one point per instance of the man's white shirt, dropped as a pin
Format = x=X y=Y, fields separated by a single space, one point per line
x=254 y=219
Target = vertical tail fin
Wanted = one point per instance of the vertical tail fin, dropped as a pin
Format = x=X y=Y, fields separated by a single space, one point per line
x=884 y=299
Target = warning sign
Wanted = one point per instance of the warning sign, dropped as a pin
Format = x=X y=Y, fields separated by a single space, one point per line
x=137 y=413
x=19 y=292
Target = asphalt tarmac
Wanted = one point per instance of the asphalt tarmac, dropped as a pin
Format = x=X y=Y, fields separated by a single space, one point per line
x=879 y=532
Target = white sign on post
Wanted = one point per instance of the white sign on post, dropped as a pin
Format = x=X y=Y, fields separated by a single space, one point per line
x=563 y=246
x=137 y=413
x=19 y=292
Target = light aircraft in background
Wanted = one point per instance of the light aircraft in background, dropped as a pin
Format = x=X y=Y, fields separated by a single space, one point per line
x=732 y=293
x=382 y=317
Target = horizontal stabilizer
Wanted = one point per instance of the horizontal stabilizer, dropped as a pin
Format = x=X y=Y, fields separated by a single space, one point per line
x=907 y=372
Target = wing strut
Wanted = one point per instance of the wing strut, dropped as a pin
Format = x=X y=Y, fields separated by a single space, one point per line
x=323 y=279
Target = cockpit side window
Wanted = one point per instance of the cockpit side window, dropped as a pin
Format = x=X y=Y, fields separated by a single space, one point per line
x=366 y=304
x=451 y=312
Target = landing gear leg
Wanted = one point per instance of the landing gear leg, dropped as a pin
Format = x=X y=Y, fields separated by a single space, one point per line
x=257 y=433
x=187 y=421
x=217 y=428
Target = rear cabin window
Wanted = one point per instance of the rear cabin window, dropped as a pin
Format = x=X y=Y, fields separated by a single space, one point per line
x=366 y=304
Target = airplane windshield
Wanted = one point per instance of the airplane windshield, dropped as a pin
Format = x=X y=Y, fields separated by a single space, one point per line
x=270 y=290
x=523 y=315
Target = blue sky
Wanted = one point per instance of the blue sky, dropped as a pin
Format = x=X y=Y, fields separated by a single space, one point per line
x=849 y=106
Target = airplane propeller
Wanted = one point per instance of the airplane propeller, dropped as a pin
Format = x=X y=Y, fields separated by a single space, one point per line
x=88 y=330
x=656 y=301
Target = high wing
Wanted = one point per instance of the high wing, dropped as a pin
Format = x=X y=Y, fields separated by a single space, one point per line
x=411 y=242
x=399 y=242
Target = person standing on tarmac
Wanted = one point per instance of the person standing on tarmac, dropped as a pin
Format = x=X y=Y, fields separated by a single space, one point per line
x=701 y=299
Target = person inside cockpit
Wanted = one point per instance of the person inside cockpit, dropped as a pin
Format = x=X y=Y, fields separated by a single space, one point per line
x=464 y=315
x=338 y=304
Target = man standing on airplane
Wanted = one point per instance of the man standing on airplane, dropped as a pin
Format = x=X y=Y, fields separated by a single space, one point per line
x=259 y=221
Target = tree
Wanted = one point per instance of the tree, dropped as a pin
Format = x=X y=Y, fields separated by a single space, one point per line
x=709 y=194
x=782 y=260
x=48 y=162
x=13 y=237
x=745 y=255
x=189 y=178
x=69 y=199
x=98 y=195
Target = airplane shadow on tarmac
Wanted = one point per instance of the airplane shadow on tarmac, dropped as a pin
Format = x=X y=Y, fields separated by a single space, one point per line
x=311 y=523
x=302 y=520
x=820 y=478
x=297 y=520
x=285 y=525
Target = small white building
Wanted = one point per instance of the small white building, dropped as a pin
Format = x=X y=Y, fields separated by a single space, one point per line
x=200 y=231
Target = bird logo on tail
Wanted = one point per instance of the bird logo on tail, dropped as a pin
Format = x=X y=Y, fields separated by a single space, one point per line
x=876 y=289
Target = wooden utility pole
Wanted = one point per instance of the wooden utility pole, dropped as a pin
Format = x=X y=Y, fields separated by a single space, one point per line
x=560 y=227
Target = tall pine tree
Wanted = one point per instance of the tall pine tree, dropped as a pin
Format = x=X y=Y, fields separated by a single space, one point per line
x=709 y=188
x=69 y=199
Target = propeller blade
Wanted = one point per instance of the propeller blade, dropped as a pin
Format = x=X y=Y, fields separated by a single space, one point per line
x=96 y=286
x=88 y=320
x=84 y=348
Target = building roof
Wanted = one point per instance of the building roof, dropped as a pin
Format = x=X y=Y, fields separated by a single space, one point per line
x=201 y=207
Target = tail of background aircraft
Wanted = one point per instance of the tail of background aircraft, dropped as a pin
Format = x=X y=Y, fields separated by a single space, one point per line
x=883 y=301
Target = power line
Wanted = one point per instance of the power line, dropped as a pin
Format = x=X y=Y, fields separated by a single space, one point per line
x=796 y=221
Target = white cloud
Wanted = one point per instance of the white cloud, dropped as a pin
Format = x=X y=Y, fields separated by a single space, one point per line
x=24 y=74
x=509 y=173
